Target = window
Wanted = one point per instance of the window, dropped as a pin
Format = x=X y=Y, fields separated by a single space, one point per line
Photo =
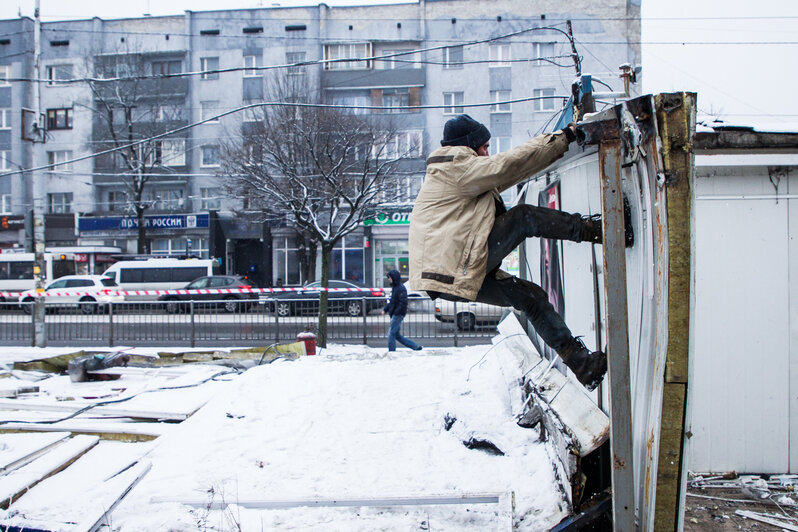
x=337 y=52
x=166 y=68
x=499 y=145
x=166 y=199
x=177 y=246
x=5 y=118
x=5 y=73
x=543 y=49
x=5 y=159
x=59 y=202
x=250 y=66
x=210 y=199
x=452 y=103
x=209 y=109
x=355 y=102
x=207 y=66
x=286 y=264
x=166 y=113
x=499 y=55
x=497 y=97
x=5 y=203
x=58 y=73
x=544 y=103
x=58 y=158
x=406 y=60
x=394 y=99
x=293 y=58
x=346 y=261
x=116 y=201
x=171 y=152
x=453 y=57
x=253 y=114
x=59 y=118
x=403 y=145
x=210 y=156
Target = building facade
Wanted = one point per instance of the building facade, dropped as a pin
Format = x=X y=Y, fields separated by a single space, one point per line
x=454 y=56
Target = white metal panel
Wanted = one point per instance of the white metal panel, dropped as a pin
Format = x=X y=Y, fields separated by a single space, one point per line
x=793 y=321
x=740 y=380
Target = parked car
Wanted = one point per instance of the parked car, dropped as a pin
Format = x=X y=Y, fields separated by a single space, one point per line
x=89 y=293
x=306 y=299
x=469 y=313
x=417 y=301
x=230 y=302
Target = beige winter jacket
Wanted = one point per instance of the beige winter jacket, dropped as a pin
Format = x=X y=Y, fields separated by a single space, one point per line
x=455 y=209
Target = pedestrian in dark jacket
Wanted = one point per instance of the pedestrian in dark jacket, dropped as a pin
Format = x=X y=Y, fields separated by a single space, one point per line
x=396 y=309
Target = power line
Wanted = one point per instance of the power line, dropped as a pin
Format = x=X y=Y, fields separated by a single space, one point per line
x=297 y=64
x=270 y=104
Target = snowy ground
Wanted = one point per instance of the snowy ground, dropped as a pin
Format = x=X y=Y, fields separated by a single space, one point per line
x=350 y=423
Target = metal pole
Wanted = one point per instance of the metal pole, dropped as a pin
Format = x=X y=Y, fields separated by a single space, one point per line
x=193 y=331
x=110 y=324
x=454 y=322
x=363 y=302
x=39 y=267
x=615 y=311
x=276 y=323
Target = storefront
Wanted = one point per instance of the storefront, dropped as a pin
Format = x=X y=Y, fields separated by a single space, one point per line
x=387 y=232
x=168 y=234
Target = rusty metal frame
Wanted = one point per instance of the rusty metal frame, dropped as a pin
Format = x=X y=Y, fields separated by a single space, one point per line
x=617 y=323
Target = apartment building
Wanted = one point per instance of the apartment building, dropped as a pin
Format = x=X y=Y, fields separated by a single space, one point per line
x=484 y=58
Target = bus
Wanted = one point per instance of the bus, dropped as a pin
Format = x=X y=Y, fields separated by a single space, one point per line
x=16 y=268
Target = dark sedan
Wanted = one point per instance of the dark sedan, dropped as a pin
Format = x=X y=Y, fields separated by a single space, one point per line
x=230 y=302
x=305 y=300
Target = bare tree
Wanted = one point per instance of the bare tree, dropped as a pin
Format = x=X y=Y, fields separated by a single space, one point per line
x=136 y=101
x=316 y=168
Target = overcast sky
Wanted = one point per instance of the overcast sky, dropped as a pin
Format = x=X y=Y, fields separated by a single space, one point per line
x=739 y=55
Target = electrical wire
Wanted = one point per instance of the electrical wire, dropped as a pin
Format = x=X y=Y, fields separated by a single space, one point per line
x=297 y=64
x=267 y=104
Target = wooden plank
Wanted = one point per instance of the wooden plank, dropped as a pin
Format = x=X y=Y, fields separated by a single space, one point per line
x=766 y=519
x=617 y=322
x=676 y=123
x=18 y=449
x=100 y=511
x=128 y=432
x=16 y=483
x=72 y=407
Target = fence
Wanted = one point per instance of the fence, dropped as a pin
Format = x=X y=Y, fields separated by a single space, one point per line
x=353 y=319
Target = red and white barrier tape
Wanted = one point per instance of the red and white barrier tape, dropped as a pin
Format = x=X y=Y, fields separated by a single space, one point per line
x=378 y=292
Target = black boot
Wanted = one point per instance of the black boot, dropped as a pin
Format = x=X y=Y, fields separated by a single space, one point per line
x=592 y=232
x=588 y=367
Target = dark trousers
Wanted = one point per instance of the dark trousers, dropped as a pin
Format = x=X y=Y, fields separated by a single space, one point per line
x=509 y=231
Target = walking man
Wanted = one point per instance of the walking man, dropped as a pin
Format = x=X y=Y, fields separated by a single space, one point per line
x=460 y=231
x=396 y=309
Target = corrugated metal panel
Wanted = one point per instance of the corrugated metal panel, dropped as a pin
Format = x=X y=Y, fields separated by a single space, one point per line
x=740 y=385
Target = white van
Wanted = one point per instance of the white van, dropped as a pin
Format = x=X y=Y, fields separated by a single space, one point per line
x=157 y=274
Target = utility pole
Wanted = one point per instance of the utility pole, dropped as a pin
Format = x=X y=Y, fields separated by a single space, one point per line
x=39 y=268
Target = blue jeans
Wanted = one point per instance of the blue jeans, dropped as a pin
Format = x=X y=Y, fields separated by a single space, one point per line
x=395 y=336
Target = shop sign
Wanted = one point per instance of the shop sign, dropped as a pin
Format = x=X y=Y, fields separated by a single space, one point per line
x=12 y=223
x=388 y=218
x=156 y=222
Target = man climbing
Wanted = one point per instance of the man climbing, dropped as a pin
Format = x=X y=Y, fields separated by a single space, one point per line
x=460 y=231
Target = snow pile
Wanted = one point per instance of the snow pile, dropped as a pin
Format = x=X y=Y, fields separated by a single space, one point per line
x=352 y=422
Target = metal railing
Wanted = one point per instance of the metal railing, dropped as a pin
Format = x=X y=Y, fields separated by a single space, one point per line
x=243 y=322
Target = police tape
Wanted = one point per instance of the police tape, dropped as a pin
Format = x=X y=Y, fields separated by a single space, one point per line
x=376 y=292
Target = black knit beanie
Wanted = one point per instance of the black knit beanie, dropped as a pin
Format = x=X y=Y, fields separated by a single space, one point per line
x=462 y=130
